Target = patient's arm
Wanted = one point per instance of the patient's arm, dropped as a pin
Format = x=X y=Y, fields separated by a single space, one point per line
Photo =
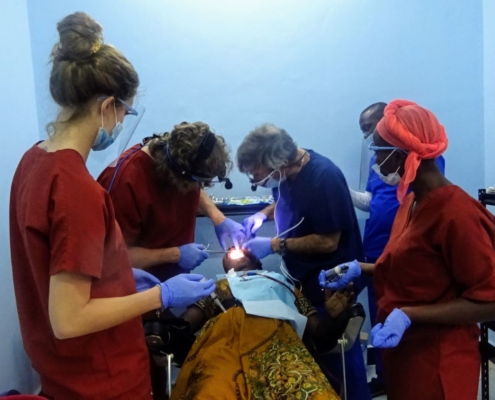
x=335 y=303
x=195 y=316
x=205 y=309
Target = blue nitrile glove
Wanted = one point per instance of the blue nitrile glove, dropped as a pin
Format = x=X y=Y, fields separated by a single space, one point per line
x=258 y=247
x=185 y=289
x=390 y=333
x=230 y=229
x=191 y=255
x=253 y=223
x=352 y=273
x=144 y=280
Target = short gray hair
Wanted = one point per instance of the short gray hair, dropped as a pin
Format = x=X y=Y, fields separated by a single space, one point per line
x=266 y=146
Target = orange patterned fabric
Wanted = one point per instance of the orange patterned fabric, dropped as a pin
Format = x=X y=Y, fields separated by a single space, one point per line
x=410 y=127
x=240 y=356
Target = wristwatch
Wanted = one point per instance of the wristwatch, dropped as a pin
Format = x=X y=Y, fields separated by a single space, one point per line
x=282 y=247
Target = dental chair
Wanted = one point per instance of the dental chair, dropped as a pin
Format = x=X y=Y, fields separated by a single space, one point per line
x=169 y=341
x=338 y=336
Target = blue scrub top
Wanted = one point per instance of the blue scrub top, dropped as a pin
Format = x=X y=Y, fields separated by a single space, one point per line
x=320 y=194
x=383 y=207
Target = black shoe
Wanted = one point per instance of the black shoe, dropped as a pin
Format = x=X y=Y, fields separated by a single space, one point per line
x=376 y=388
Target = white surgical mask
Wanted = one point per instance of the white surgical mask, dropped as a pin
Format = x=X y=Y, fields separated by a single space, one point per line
x=392 y=179
x=270 y=182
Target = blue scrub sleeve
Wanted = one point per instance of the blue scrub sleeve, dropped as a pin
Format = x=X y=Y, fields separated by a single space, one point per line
x=441 y=164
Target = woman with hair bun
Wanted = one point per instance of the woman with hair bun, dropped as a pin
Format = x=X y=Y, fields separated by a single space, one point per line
x=76 y=297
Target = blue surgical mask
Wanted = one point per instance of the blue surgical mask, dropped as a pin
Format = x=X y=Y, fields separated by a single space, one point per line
x=103 y=139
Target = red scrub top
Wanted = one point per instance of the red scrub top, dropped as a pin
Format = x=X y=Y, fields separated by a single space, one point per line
x=445 y=251
x=62 y=220
x=151 y=213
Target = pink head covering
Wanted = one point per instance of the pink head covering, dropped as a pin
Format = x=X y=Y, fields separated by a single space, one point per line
x=410 y=127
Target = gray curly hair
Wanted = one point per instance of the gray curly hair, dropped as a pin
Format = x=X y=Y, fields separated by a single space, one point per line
x=266 y=146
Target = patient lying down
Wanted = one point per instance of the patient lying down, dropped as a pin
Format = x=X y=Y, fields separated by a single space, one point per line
x=242 y=356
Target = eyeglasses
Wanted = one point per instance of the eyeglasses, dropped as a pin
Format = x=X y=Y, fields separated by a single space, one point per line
x=129 y=109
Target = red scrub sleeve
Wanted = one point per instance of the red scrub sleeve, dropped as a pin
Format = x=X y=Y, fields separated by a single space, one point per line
x=78 y=227
x=469 y=251
x=127 y=209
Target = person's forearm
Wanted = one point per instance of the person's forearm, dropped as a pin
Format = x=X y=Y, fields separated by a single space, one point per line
x=309 y=244
x=312 y=324
x=361 y=200
x=144 y=258
x=367 y=268
x=458 y=311
x=269 y=211
x=100 y=314
x=208 y=208
x=195 y=316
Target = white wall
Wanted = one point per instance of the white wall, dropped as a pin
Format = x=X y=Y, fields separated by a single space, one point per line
x=19 y=132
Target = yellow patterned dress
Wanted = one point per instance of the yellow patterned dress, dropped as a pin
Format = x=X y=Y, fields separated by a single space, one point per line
x=240 y=356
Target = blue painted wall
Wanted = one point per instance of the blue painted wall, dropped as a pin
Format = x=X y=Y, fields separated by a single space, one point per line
x=309 y=67
x=20 y=131
x=489 y=89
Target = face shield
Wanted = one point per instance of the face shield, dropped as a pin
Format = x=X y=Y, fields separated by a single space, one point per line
x=365 y=160
x=99 y=160
x=130 y=124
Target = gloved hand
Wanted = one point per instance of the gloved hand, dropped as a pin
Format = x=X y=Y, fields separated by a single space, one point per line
x=253 y=223
x=191 y=255
x=185 y=289
x=144 y=280
x=390 y=333
x=233 y=230
x=258 y=247
x=352 y=273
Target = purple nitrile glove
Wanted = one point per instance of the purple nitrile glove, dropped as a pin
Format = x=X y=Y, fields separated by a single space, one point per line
x=230 y=229
x=390 y=333
x=259 y=247
x=185 y=289
x=348 y=276
x=192 y=255
x=144 y=280
x=253 y=223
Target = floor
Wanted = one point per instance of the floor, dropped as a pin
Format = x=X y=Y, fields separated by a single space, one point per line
x=491 y=387
x=371 y=374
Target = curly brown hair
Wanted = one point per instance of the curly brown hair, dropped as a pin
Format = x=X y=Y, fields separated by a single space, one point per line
x=183 y=143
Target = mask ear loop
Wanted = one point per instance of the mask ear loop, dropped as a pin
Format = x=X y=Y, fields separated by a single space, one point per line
x=390 y=155
x=115 y=112
x=101 y=112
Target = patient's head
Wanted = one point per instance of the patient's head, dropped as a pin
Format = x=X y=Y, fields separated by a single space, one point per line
x=240 y=260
